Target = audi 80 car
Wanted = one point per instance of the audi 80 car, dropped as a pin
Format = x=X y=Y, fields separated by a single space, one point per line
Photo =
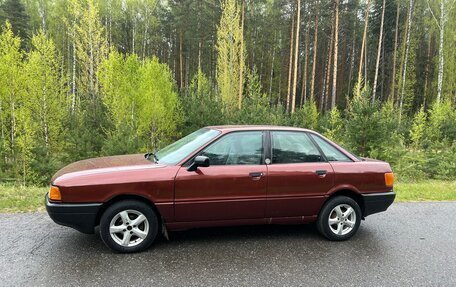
x=220 y=176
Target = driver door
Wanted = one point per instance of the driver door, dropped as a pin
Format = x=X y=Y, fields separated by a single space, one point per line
x=234 y=186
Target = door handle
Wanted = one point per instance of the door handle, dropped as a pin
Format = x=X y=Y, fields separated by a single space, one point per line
x=256 y=174
x=321 y=172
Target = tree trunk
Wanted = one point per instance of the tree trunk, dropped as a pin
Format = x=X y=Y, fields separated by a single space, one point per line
x=314 y=63
x=290 y=63
x=426 y=72
x=379 y=50
x=407 y=47
x=304 y=73
x=326 y=86
x=441 y=59
x=271 y=75
x=181 y=60
x=199 y=54
x=241 y=58
x=336 y=47
x=73 y=76
x=396 y=34
x=363 y=45
x=296 y=56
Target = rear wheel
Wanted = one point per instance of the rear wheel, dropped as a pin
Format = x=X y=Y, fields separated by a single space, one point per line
x=128 y=226
x=339 y=219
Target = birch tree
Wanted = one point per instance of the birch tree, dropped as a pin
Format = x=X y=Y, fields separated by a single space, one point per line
x=440 y=23
x=229 y=53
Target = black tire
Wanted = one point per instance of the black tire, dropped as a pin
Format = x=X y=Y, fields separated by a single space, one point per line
x=132 y=205
x=325 y=228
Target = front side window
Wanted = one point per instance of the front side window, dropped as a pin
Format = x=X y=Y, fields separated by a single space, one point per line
x=180 y=149
x=238 y=148
x=293 y=147
x=331 y=153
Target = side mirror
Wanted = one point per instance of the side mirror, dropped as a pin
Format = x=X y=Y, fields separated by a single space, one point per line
x=199 y=161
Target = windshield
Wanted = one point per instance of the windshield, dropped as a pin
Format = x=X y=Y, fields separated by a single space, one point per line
x=180 y=149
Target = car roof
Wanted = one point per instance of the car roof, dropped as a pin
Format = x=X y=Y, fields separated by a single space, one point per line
x=229 y=128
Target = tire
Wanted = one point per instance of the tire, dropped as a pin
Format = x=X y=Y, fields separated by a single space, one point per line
x=121 y=217
x=343 y=225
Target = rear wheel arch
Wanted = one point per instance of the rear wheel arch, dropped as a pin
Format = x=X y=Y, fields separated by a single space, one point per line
x=127 y=197
x=349 y=193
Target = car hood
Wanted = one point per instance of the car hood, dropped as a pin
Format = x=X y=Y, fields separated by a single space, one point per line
x=104 y=165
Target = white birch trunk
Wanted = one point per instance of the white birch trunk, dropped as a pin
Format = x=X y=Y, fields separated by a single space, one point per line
x=441 y=59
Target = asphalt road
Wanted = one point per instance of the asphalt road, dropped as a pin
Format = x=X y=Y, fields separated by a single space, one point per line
x=410 y=244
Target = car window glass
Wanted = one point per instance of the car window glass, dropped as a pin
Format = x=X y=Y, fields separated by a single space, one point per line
x=238 y=148
x=293 y=147
x=331 y=153
x=180 y=149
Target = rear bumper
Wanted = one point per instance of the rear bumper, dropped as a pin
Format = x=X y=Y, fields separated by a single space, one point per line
x=81 y=217
x=377 y=202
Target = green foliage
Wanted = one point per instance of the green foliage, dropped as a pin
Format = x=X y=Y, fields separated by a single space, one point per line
x=201 y=107
x=228 y=53
x=14 y=12
x=306 y=116
x=333 y=126
x=418 y=127
x=141 y=96
x=63 y=97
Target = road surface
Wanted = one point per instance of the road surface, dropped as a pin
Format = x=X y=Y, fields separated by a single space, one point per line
x=410 y=244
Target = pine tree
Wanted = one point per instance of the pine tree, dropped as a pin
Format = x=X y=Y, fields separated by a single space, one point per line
x=14 y=12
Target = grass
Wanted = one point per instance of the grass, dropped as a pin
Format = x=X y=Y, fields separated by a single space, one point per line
x=430 y=190
x=22 y=199
x=25 y=199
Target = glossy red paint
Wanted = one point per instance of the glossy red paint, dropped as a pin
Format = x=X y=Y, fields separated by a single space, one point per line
x=222 y=195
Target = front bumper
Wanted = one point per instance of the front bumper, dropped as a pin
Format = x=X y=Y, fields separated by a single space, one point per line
x=377 y=202
x=81 y=217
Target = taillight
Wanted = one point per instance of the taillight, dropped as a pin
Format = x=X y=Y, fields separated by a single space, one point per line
x=54 y=193
x=389 y=179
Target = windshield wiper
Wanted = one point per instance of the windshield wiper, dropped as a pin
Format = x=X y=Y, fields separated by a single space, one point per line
x=149 y=154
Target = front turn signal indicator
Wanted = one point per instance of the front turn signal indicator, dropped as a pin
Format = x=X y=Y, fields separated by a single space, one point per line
x=389 y=179
x=54 y=194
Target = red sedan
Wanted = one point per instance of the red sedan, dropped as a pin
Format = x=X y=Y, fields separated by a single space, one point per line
x=223 y=175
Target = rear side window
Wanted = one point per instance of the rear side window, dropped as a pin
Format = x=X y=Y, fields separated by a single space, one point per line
x=293 y=147
x=331 y=153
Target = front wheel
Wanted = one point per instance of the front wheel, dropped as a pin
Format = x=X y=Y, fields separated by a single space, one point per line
x=339 y=219
x=128 y=226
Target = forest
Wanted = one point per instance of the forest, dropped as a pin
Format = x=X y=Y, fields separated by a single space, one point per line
x=87 y=78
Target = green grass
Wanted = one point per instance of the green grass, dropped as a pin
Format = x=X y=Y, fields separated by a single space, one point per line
x=430 y=190
x=23 y=199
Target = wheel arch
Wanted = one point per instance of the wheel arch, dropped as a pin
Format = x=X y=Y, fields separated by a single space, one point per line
x=356 y=196
x=122 y=197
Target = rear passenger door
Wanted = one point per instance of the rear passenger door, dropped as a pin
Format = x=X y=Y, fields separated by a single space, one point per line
x=298 y=175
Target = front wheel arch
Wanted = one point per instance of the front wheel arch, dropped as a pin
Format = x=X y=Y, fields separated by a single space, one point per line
x=127 y=197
